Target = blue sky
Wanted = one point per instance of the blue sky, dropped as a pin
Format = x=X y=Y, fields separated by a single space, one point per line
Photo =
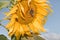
x=52 y=25
x=53 y=22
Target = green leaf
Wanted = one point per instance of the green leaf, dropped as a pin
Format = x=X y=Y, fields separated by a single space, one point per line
x=3 y=4
x=38 y=38
x=3 y=37
x=1 y=20
x=34 y=37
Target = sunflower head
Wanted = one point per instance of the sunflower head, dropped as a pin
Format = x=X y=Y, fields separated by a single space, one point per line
x=27 y=17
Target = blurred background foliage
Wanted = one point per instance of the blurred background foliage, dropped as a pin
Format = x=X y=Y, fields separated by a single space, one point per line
x=3 y=37
x=4 y=4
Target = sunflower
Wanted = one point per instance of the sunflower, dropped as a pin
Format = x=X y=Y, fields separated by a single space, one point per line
x=27 y=17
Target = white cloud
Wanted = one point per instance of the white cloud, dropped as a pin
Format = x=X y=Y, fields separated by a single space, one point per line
x=51 y=36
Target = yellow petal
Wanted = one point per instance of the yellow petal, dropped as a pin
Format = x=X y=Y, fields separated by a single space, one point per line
x=11 y=31
x=25 y=6
x=9 y=25
x=38 y=26
x=13 y=10
x=20 y=12
x=33 y=29
x=21 y=30
x=26 y=30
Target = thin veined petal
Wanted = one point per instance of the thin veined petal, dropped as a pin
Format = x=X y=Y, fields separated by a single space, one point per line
x=42 y=11
x=25 y=5
x=12 y=21
x=40 y=28
x=13 y=10
x=39 y=1
x=41 y=19
x=11 y=32
x=21 y=30
x=40 y=16
x=19 y=11
x=17 y=34
x=33 y=29
x=9 y=25
x=26 y=30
